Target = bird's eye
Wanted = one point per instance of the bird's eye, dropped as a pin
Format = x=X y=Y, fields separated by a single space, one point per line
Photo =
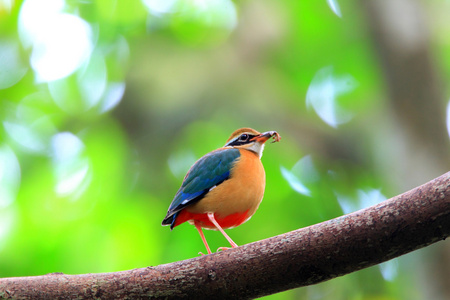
x=243 y=137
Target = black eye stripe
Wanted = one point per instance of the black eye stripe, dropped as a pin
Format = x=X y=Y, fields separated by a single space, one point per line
x=241 y=140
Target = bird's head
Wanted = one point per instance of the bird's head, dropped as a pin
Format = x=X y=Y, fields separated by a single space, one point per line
x=250 y=139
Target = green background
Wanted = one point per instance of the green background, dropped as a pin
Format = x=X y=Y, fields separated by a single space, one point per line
x=84 y=186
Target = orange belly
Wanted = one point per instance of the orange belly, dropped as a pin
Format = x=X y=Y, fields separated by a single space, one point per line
x=229 y=221
x=233 y=201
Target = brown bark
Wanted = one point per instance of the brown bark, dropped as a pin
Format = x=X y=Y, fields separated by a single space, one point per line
x=302 y=257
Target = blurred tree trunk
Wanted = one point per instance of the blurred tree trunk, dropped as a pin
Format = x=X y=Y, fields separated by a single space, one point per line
x=402 y=39
x=416 y=95
x=302 y=257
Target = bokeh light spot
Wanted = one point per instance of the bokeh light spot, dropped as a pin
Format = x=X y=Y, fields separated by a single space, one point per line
x=72 y=181
x=92 y=80
x=365 y=198
x=71 y=168
x=6 y=5
x=30 y=128
x=113 y=95
x=25 y=136
x=12 y=68
x=389 y=269
x=88 y=88
x=60 y=42
x=334 y=5
x=323 y=92
x=302 y=173
x=214 y=13
x=194 y=21
x=159 y=7
x=180 y=162
x=295 y=182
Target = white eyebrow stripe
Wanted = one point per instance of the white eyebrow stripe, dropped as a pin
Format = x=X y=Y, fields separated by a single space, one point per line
x=236 y=138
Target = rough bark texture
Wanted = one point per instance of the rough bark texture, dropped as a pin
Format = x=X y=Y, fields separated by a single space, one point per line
x=302 y=257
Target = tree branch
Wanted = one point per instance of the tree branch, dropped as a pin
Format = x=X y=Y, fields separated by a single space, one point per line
x=302 y=257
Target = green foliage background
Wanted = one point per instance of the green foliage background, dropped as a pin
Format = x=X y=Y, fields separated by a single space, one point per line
x=193 y=75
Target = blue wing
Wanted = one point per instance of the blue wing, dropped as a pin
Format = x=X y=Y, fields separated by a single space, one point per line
x=209 y=171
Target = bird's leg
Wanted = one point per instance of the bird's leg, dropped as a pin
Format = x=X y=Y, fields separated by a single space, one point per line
x=213 y=220
x=199 y=228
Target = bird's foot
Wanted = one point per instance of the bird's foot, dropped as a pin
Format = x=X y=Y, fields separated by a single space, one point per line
x=223 y=248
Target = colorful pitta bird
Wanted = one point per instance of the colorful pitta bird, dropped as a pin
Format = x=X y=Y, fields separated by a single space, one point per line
x=224 y=188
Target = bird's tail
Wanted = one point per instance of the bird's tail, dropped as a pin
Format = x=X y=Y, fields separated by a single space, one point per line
x=170 y=220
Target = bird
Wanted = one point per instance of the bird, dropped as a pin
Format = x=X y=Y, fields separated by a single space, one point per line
x=224 y=188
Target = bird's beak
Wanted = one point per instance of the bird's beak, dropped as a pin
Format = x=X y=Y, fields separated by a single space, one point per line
x=263 y=137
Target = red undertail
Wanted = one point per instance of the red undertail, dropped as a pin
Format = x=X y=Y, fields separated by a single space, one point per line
x=229 y=221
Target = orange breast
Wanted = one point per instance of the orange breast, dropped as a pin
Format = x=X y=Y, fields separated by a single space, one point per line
x=235 y=200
